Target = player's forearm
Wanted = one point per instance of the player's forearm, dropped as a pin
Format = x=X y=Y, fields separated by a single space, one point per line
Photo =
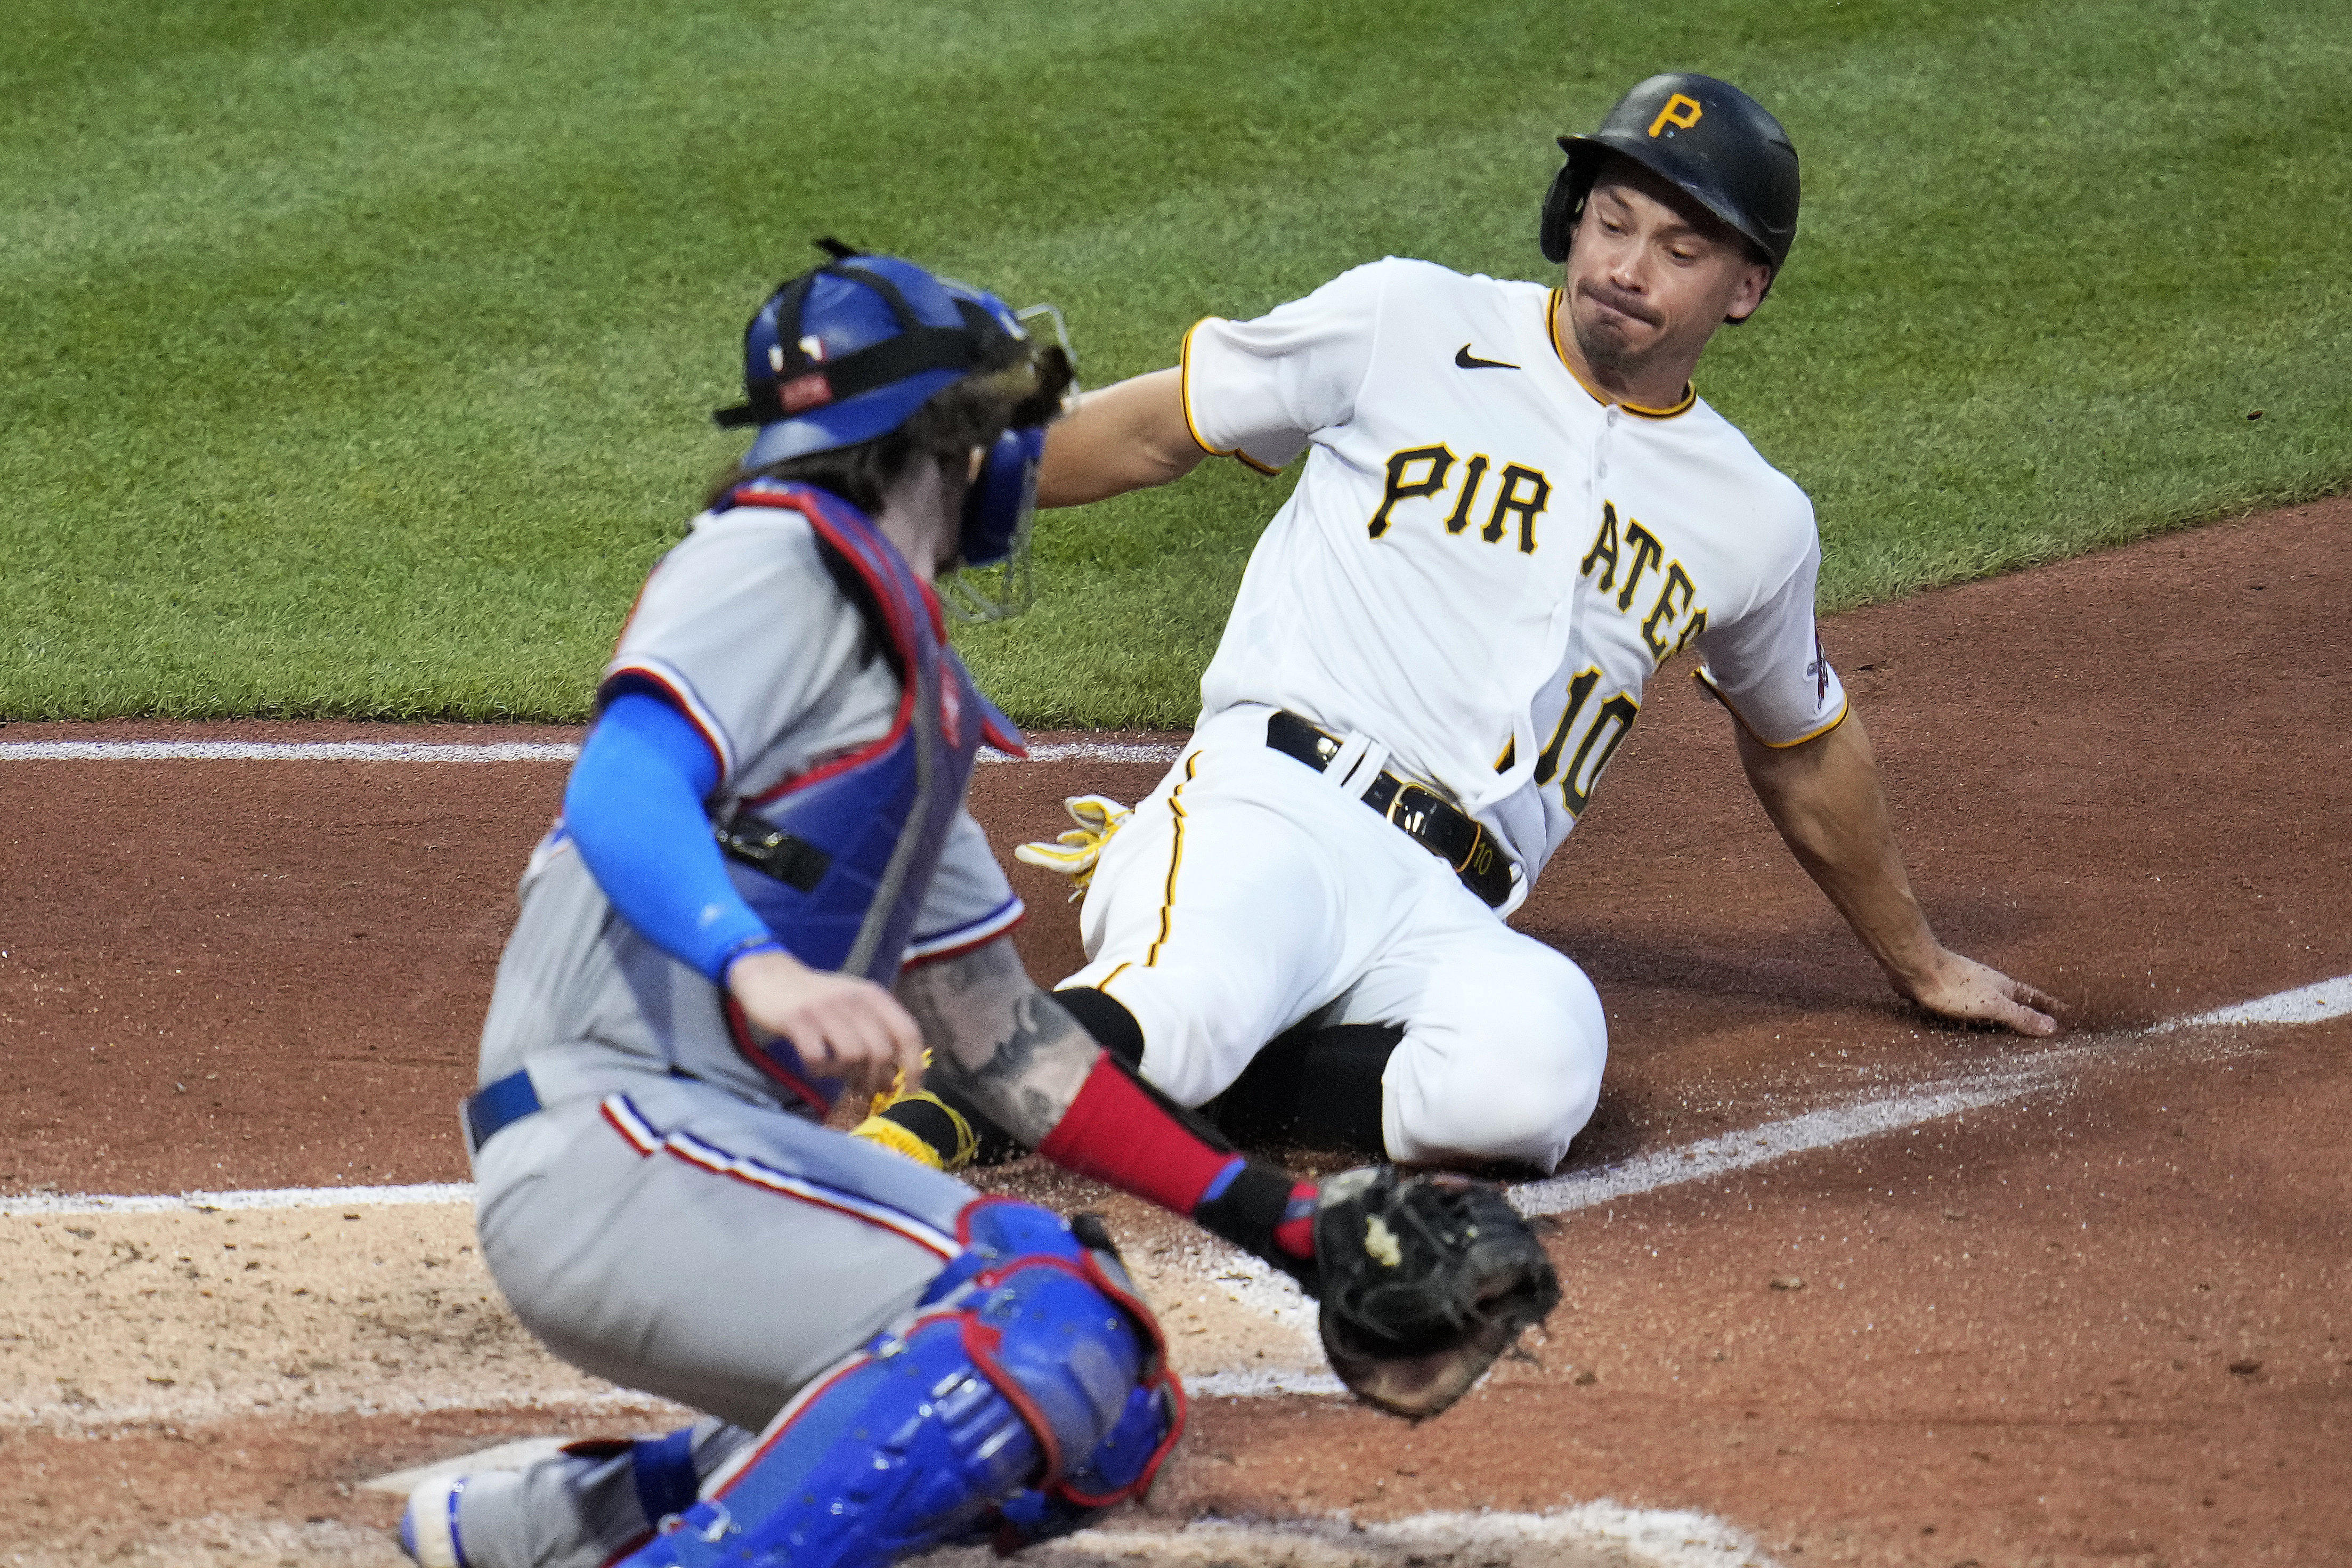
x=1127 y=436
x=999 y=1039
x=1028 y=1065
x=1826 y=800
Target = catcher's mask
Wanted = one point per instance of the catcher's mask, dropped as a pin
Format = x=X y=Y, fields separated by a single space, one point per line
x=850 y=351
x=1707 y=138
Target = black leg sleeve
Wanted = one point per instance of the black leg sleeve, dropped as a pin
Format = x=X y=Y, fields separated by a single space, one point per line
x=1316 y=1087
x=1113 y=1027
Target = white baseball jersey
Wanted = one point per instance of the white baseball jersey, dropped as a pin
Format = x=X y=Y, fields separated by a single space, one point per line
x=1485 y=559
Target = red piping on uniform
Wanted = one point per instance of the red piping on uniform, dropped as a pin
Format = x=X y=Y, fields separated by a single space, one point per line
x=813 y=1198
x=631 y=1133
x=1020 y=914
x=739 y=1029
x=678 y=699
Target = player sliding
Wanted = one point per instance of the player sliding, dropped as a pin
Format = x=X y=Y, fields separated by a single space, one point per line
x=765 y=889
x=1514 y=511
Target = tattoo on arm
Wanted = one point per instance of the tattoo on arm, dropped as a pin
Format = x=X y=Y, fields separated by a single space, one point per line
x=1000 y=1039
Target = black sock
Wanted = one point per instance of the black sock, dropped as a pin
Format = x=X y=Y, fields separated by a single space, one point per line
x=1318 y=1087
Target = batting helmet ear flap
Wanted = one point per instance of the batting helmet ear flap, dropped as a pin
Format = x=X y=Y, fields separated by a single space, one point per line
x=1563 y=204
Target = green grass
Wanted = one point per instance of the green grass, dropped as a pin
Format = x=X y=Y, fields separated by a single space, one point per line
x=358 y=356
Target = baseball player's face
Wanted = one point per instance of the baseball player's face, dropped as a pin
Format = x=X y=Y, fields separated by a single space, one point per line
x=1651 y=275
x=920 y=513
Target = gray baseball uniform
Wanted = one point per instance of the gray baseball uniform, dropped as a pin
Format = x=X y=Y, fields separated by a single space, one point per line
x=668 y=1221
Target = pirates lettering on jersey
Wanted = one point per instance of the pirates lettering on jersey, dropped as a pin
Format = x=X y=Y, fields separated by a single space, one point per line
x=1609 y=557
x=1450 y=523
x=1420 y=472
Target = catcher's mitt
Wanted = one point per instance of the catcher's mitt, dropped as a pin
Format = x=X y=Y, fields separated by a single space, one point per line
x=1425 y=1280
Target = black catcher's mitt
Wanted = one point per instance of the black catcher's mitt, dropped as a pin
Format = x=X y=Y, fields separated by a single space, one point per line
x=1425 y=1280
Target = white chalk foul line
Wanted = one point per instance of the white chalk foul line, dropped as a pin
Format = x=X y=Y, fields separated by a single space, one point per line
x=2305 y=1004
x=2018 y=1077
x=470 y=751
x=282 y=751
x=1822 y=1129
x=82 y=1204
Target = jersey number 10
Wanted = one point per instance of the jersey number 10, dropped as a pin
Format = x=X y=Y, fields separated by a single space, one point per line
x=1597 y=740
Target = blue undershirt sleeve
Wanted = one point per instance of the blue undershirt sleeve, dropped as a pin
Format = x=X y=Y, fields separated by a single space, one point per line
x=634 y=808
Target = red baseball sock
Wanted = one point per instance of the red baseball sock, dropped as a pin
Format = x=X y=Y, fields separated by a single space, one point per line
x=1119 y=1131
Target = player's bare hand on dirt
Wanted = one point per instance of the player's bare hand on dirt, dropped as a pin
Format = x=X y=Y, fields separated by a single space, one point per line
x=844 y=1026
x=1959 y=989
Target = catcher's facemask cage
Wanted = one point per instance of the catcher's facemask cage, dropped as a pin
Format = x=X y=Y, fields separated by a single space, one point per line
x=995 y=581
x=850 y=351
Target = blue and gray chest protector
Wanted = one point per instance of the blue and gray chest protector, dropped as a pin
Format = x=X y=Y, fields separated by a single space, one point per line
x=836 y=861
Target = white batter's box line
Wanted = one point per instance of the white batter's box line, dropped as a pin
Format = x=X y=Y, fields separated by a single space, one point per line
x=1257 y=1385
x=2305 y=1004
x=462 y=751
x=1598 y=1531
x=1096 y=751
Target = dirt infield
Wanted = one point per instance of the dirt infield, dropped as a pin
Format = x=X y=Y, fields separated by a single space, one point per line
x=2099 y=1319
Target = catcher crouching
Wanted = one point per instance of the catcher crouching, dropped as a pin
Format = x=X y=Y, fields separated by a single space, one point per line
x=765 y=891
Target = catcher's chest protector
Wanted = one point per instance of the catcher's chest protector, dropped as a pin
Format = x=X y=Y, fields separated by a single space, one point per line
x=857 y=839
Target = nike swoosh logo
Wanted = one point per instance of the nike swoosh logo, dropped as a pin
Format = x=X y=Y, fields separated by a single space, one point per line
x=1470 y=362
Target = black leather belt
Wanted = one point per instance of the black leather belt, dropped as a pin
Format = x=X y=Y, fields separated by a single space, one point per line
x=493 y=1108
x=1425 y=816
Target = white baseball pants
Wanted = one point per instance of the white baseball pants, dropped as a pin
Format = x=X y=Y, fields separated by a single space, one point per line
x=1247 y=892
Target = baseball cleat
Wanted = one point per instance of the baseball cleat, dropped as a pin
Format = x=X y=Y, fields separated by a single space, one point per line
x=924 y=1128
x=428 y=1525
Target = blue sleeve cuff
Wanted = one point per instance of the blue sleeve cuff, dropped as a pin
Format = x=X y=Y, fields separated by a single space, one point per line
x=635 y=809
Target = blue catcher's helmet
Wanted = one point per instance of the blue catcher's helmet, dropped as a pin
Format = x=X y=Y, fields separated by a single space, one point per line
x=848 y=351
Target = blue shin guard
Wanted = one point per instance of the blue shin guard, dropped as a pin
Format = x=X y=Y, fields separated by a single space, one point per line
x=1034 y=1378
x=1118 y=1469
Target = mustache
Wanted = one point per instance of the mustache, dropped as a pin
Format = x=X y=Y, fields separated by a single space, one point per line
x=1619 y=300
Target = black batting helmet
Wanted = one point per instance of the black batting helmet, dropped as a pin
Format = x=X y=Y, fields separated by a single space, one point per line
x=1705 y=137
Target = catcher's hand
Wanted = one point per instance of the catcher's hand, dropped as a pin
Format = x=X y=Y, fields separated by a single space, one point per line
x=1074 y=853
x=1426 y=1280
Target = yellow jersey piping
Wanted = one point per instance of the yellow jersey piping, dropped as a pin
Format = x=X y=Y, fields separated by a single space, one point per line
x=1551 y=331
x=1716 y=692
x=1184 y=397
x=1175 y=863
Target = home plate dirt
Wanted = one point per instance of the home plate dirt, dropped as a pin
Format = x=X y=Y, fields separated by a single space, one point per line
x=1841 y=1286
